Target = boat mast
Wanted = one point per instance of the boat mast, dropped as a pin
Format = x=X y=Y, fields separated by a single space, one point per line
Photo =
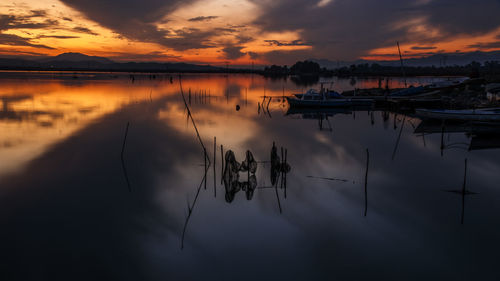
x=402 y=67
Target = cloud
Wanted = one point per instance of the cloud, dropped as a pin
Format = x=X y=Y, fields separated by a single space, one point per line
x=187 y=38
x=202 y=18
x=417 y=48
x=22 y=54
x=482 y=45
x=58 y=36
x=136 y=20
x=16 y=22
x=283 y=43
x=348 y=29
x=253 y=55
x=233 y=52
x=82 y=29
x=15 y=40
x=152 y=56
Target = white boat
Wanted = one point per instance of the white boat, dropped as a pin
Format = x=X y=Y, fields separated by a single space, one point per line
x=325 y=99
x=487 y=114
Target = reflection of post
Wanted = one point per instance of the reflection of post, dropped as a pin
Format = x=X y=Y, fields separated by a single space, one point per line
x=281 y=168
x=284 y=172
x=205 y=152
x=464 y=193
x=215 y=157
x=222 y=163
x=191 y=208
x=442 y=137
x=123 y=162
x=278 y=197
x=399 y=138
x=366 y=180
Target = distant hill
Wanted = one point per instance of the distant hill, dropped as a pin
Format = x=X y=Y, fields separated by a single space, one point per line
x=81 y=62
x=445 y=59
x=76 y=57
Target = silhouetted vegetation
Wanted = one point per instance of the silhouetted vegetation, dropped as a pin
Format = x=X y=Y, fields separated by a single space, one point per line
x=308 y=68
x=300 y=68
x=473 y=69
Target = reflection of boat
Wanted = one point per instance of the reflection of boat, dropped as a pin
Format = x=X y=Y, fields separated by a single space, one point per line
x=318 y=96
x=328 y=102
x=444 y=84
x=325 y=99
x=411 y=91
x=308 y=113
x=486 y=141
x=483 y=135
x=433 y=126
x=492 y=114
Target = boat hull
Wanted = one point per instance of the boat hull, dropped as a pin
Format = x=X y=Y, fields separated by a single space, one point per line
x=329 y=103
x=470 y=115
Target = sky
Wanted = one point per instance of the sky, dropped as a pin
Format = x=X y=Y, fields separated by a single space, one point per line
x=242 y=32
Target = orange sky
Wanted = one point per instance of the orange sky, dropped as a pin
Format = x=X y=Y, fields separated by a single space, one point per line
x=49 y=27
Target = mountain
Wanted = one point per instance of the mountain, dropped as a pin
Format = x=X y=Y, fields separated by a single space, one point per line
x=76 y=57
x=444 y=59
x=81 y=62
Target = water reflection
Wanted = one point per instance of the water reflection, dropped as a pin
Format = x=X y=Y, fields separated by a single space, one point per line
x=463 y=192
x=480 y=135
x=66 y=208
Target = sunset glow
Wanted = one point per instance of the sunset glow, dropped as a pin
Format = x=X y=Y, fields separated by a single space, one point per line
x=239 y=32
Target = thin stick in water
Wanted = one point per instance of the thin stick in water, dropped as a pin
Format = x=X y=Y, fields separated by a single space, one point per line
x=366 y=180
x=215 y=157
x=122 y=160
x=222 y=163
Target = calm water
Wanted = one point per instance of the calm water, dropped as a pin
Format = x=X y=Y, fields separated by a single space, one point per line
x=71 y=209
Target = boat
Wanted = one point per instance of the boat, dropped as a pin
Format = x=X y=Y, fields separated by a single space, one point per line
x=444 y=84
x=411 y=91
x=313 y=98
x=487 y=114
x=317 y=95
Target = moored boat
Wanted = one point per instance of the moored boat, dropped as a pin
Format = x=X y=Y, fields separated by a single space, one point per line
x=325 y=99
x=490 y=114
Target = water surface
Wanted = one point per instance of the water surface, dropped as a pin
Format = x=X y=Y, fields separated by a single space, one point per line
x=74 y=207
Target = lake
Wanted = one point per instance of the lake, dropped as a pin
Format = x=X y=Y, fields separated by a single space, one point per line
x=111 y=176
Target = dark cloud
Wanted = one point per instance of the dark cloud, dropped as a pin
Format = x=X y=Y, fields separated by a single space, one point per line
x=489 y=45
x=423 y=48
x=25 y=22
x=187 y=38
x=136 y=20
x=287 y=57
x=233 y=52
x=283 y=43
x=152 y=56
x=203 y=18
x=82 y=29
x=226 y=29
x=22 y=54
x=38 y=13
x=253 y=55
x=15 y=40
x=348 y=29
x=58 y=36
x=67 y=19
